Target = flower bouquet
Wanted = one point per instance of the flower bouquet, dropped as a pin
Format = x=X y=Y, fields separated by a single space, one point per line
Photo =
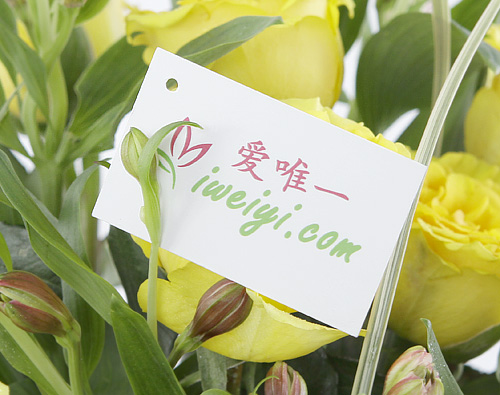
x=87 y=311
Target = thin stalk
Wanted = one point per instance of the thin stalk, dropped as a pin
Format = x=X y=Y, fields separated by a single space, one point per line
x=89 y=222
x=58 y=109
x=77 y=376
x=30 y=126
x=441 y=25
x=51 y=184
x=379 y=316
x=152 y=288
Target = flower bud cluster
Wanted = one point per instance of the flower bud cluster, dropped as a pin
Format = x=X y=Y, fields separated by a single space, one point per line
x=33 y=306
x=284 y=381
x=413 y=373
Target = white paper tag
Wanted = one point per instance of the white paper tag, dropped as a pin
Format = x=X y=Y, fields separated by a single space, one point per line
x=266 y=195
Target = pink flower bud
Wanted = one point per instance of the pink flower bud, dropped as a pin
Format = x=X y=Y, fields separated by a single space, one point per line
x=33 y=306
x=413 y=373
x=223 y=307
x=286 y=381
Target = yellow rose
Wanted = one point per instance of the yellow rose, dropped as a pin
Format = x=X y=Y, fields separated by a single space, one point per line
x=482 y=123
x=451 y=272
x=301 y=58
x=106 y=27
x=270 y=333
x=4 y=389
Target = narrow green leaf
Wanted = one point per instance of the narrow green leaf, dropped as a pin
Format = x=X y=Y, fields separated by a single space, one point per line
x=462 y=352
x=5 y=253
x=223 y=39
x=130 y=262
x=467 y=12
x=75 y=58
x=387 y=89
x=92 y=325
x=51 y=246
x=390 y=9
x=7 y=16
x=215 y=391
x=24 y=258
x=27 y=63
x=99 y=135
x=449 y=382
x=26 y=356
x=213 y=369
x=147 y=367
x=106 y=84
x=90 y=9
x=69 y=218
x=349 y=28
x=90 y=286
x=110 y=377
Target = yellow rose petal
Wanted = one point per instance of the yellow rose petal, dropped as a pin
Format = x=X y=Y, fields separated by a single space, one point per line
x=267 y=335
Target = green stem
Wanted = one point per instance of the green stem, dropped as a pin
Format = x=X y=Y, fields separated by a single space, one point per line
x=77 y=376
x=40 y=13
x=51 y=184
x=382 y=304
x=37 y=356
x=89 y=199
x=441 y=25
x=30 y=126
x=152 y=288
x=58 y=109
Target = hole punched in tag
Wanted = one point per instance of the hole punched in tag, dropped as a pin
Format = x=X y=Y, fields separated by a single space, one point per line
x=172 y=84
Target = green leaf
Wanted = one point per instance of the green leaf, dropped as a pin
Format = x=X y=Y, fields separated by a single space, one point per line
x=349 y=28
x=390 y=9
x=215 y=391
x=92 y=325
x=5 y=253
x=25 y=355
x=474 y=347
x=27 y=63
x=317 y=371
x=90 y=9
x=51 y=246
x=213 y=369
x=106 y=84
x=473 y=382
x=69 y=218
x=130 y=262
x=450 y=384
x=110 y=377
x=23 y=386
x=7 y=16
x=467 y=12
x=147 y=368
x=24 y=258
x=395 y=73
x=75 y=58
x=221 y=40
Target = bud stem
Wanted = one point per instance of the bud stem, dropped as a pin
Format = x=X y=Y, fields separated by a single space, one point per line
x=152 y=289
x=77 y=372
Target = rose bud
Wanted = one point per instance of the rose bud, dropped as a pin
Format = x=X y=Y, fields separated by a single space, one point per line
x=286 y=381
x=33 y=306
x=131 y=148
x=223 y=307
x=413 y=373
